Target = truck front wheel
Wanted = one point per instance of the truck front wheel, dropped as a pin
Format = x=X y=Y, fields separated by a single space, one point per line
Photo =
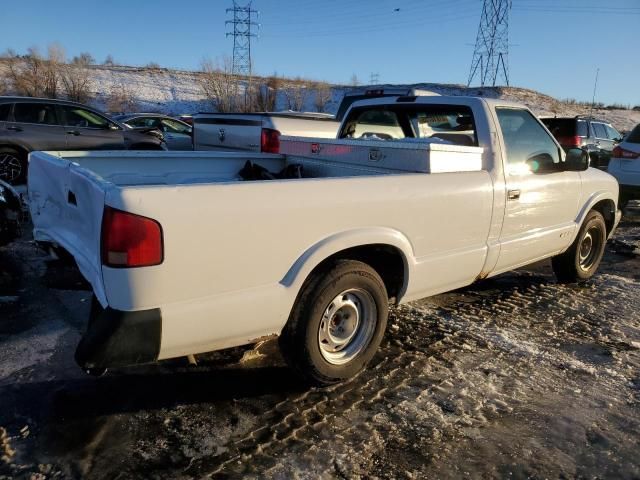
x=583 y=257
x=337 y=322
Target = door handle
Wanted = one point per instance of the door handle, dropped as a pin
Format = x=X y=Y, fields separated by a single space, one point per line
x=14 y=128
x=513 y=194
x=75 y=133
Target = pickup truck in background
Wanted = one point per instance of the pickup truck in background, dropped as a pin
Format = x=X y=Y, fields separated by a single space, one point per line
x=261 y=132
x=420 y=195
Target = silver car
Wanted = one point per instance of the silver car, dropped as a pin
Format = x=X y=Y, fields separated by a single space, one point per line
x=177 y=134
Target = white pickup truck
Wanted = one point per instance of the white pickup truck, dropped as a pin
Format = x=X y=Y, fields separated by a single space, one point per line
x=261 y=132
x=188 y=255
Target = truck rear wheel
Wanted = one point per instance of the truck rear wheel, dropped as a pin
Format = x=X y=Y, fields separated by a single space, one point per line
x=583 y=257
x=337 y=323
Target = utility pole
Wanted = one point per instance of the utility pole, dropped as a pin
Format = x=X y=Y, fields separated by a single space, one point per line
x=491 y=54
x=242 y=33
x=593 y=99
x=374 y=79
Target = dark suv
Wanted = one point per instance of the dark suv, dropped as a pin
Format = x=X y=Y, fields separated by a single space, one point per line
x=28 y=124
x=597 y=137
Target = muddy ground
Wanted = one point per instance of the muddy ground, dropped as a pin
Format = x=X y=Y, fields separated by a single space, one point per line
x=513 y=377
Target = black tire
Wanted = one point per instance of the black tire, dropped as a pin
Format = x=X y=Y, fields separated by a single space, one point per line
x=581 y=260
x=301 y=343
x=13 y=166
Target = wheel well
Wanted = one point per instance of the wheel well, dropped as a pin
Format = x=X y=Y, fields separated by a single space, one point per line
x=16 y=148
x=608 y=210
x=386 y=260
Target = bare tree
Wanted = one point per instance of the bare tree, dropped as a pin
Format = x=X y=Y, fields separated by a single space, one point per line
x=153 y=65
x=323 y=96
x=219 y=85
x=53 y=65
x=121 y=100
x=109 y=61
x=85 y=58
x=296 y=93
x=75 y=78
x=266 y=94
x=25 y=74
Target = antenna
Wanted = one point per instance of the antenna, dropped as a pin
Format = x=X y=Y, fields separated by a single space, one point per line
x=593 y=99
x=242 y=24
x=491 y=54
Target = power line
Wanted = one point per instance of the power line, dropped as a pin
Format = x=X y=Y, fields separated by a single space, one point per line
x=491 y=53
x=242 y=24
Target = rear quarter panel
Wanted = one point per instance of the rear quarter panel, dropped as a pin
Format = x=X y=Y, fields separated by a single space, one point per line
x=230 y=248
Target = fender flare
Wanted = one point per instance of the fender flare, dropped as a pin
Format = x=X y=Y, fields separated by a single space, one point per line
x=344 y=240
x=593 y=199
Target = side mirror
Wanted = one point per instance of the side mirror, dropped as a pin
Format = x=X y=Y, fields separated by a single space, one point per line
x=543 y=163
x=577 y=160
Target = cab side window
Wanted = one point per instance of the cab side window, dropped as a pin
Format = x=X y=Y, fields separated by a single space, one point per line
x=524 y=138
x=38 y=113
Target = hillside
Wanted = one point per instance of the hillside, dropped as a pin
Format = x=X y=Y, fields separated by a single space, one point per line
x=178 y=92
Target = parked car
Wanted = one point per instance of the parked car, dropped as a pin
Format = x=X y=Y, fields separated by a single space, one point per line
x=597 y=137
x=261 y=132
x=10 y=213
x=28 y=124
x=177 y=134
x=220 y=249
x=625 y=166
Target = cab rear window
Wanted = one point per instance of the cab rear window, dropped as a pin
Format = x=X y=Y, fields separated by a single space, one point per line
x=452 y=124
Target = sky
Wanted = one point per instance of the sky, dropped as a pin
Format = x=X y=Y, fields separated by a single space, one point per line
x=556 y=46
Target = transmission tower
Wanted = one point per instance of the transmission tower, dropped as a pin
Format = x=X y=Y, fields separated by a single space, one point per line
x=242 y=24
x=491 y=55
x=374 y=78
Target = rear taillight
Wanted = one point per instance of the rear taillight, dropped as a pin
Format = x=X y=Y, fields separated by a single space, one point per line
x=130 y=240
x=622 y=153
x=574 y=141
x=270 y=141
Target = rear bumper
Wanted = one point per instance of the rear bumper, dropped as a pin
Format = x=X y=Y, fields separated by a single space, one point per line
x=115 y=338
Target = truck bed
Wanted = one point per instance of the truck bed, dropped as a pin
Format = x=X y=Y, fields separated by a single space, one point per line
x=206 y=212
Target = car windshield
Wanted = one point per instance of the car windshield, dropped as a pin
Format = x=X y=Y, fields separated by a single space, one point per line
x=634 y=136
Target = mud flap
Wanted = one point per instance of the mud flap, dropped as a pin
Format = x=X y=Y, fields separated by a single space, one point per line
x=116 y=339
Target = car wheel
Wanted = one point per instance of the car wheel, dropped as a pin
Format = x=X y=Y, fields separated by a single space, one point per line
x=337 y=323
x=13 y=166
x=581 y=260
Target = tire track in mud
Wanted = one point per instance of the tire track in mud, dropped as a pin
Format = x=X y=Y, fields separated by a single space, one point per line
x=421 y=337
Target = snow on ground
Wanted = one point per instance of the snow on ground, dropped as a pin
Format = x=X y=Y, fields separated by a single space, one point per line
x=177 y=92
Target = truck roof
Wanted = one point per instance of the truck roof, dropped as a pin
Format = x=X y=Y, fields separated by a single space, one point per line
x=451 y=99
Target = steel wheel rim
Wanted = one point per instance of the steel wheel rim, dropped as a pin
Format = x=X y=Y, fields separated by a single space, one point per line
x=347 y=326
x=10 y=167
x=589 y=248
